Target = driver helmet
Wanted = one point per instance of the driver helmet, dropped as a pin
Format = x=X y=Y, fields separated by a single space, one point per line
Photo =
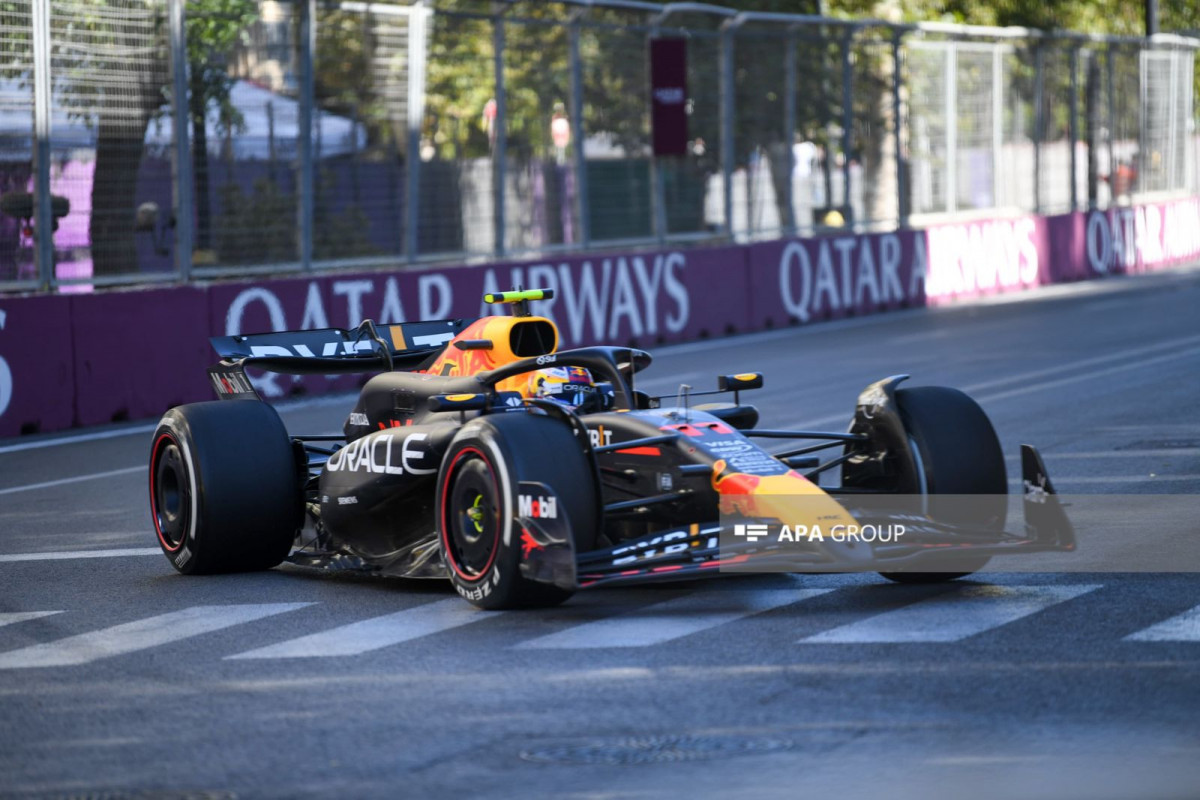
x=571 y=386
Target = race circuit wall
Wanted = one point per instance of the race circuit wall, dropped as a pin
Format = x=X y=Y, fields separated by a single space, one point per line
x=83 y=359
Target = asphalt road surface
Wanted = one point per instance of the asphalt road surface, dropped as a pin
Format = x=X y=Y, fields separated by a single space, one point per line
x=120 y=678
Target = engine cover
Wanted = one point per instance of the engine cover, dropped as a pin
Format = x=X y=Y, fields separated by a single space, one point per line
x=377 y=491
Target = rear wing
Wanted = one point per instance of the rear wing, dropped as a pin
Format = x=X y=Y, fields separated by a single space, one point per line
x=328 y=351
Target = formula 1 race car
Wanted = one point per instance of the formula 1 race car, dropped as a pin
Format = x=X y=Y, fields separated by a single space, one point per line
x=482 y=453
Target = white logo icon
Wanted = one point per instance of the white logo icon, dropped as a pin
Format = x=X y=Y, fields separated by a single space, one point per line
x=751 y=533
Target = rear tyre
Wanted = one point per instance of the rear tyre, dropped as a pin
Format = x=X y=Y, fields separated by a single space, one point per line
x=225 y=490
x=957 y=453
x=477 y=504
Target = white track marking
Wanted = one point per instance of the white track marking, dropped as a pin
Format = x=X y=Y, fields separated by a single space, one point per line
x=953 y=616
x=131 y=637
x=1165 y=452
x=671 y=619
x=1086 y=376
x=810 y=424
x=63 y=481
x=13 y=617
x=78 y=438
x=66 y=555
x=377 y=632
x=338 y=398
x=1033 y=387
x=1023 y=378
x=1095 y=361
x=1103 y=479
x=1183 y=627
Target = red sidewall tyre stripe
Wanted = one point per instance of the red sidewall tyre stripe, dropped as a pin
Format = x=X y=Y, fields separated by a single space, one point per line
x=445 y=522
x=158 y=444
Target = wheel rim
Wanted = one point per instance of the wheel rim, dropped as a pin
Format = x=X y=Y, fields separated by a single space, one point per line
x=170 y=493
x=471 y=515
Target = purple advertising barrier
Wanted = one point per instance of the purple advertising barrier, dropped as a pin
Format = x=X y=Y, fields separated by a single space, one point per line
x=96 y=357
x=1068 y=247
x=1125 y=239
x=37 y=381
x=985 y=257
x=808 y=280
x=138 y=352
x=643 y=298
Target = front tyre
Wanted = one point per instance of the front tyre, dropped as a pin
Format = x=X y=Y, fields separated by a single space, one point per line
x=956 y=452
x=225 y=491
x=481 y=541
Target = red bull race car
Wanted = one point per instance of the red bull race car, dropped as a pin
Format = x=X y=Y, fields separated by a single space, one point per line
x=482 y=453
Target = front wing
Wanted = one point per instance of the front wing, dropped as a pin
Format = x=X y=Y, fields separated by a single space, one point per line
x=699 y=550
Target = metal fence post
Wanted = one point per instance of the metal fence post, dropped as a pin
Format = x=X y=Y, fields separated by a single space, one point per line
x=659 y=200
x=1139 y=165
x=1172 y=160
x=998 y=174
x=725 y=104
x=1039 y=77
x=1091 y=113
x=500 y=140
x=582 y=202
x=658 y=192
x=1188 y=77
x=789 y=132
x=951 y=112
x=305 y=184
x=847 y=123
x=1111 y=103
x=182 y=152
x=43 y=219
x=897 y=128
x=415 y=109
x=1073 y=125
x=826 y=120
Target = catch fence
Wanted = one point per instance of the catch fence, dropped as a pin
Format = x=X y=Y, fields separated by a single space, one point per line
x=163 y=140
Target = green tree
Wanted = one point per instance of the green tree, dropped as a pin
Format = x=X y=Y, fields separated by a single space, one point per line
x=350 y=47
x=115 y=78
x=213 y=28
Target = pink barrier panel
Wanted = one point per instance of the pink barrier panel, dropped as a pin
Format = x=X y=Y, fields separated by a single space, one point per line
x=808 y=280
x=644 y=298
x=1124 y=240
x=985 y=257
x=139 y=352
x=37 y=380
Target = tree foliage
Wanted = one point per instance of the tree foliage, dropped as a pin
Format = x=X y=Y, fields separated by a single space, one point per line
x=115 y=77
x=214 y=29
x=110 y=71
x=347 y=78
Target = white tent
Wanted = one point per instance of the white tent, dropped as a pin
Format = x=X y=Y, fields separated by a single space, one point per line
x=269 y=126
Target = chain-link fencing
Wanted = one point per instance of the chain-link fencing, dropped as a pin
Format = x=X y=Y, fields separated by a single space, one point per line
x=178 y=139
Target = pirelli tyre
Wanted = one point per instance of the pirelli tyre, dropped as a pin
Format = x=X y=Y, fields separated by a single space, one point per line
x=956 y=452
x=477 y=504
x=225 y=491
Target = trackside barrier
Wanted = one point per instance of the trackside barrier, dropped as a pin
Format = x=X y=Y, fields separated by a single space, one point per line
x=90 y=358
